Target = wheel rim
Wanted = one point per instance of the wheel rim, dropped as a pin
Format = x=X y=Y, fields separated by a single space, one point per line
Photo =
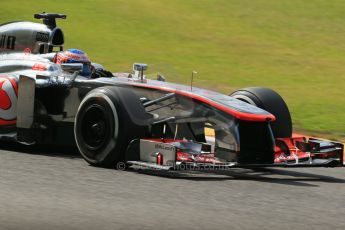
x=95 y=127
x=244 y=99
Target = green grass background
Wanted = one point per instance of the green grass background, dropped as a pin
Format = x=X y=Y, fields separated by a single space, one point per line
x=296 y=47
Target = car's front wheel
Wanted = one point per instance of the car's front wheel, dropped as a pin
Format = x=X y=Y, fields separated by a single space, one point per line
x=104 y=126
x=272 y=102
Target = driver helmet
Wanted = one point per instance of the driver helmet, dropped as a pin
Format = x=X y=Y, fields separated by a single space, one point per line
x=75 y=56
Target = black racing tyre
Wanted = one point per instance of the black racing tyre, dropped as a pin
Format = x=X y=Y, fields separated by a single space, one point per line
x=109 y=118
x=272 y=102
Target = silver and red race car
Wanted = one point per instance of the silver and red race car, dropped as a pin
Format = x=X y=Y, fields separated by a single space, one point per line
x=127 y=118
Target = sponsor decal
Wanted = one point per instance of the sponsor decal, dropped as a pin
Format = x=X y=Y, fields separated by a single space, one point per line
x=27 y=51
x=7 y=42
x=39 y=67
x=42 y=37
x=164 y=147
x=8 y=101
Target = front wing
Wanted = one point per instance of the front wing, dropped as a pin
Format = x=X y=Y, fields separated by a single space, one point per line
x=165 y=154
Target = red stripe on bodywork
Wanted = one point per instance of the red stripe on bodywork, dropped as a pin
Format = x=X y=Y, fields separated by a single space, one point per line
x=235 y=113
x=4 y=122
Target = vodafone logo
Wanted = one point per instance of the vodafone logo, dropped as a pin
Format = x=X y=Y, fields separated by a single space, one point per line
x=8 y=101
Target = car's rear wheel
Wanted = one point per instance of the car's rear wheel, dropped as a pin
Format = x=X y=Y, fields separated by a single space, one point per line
x=104 y=125
x=272 y=102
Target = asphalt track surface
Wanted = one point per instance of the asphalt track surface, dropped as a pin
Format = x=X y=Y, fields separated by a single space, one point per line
x=56 y=189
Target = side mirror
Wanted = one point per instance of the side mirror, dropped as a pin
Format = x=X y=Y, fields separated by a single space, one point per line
x=139 y=67
x=72 y=67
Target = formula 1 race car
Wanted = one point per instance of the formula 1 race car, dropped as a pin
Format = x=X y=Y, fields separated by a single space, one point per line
x=125 y=117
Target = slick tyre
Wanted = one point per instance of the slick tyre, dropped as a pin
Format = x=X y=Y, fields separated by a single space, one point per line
x=109 y=118
x=268 y=100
